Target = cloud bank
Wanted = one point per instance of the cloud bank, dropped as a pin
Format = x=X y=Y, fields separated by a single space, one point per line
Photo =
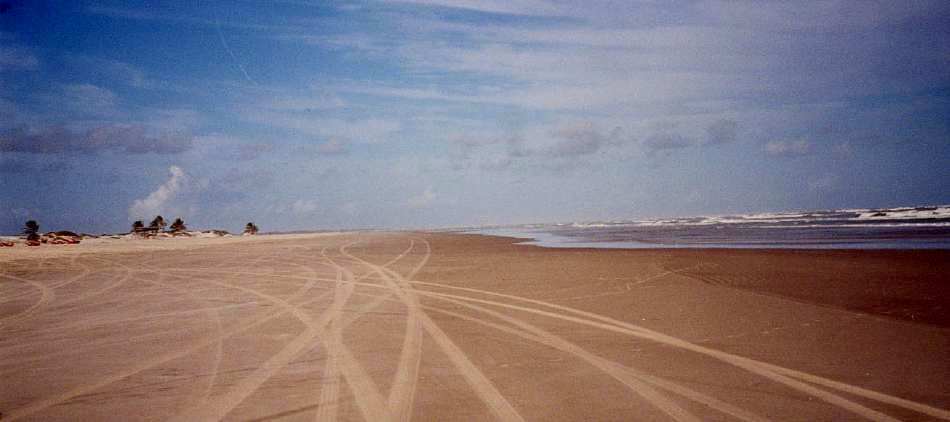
x=132 y=139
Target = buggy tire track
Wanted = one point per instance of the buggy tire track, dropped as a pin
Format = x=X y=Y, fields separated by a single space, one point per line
x=483 y=387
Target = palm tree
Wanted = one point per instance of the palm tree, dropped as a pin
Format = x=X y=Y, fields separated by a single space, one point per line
x=31 y=230
x=158 y=222
x=137 y=226
x=31 y=227
x=178 y=225
x=250 y=228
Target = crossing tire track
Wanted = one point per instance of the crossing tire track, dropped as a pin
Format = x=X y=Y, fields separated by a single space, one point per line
x=483 y=387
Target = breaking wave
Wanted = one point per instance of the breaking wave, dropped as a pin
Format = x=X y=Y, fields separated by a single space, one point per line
x=891 y=228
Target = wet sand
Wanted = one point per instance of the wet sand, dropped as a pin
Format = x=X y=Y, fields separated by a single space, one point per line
x=399 y=326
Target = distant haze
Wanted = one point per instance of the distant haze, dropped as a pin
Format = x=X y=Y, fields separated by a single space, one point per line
x=432 y=113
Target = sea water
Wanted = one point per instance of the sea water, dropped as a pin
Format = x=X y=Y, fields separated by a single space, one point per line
x=923 y=227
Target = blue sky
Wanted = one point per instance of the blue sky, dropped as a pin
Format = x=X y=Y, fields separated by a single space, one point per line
x=432 y=113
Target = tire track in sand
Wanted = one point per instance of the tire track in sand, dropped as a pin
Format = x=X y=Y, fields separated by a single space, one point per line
x=119 y=281
x=707 y=400
x=638 y=382
x=86 y=270
x=402 y=392
x=367 y=397
x=47 y=293
x=629 y=329
x=399 y=401
x=483 y=387
x=53 y=400
x=46 y=296
x=791 y=373
x=327 y=406
x=388 y=275
x=663 y=384
x=215 y=317
x=836 y=385
x=763 y=369
x=219 y=407
x=331 y=381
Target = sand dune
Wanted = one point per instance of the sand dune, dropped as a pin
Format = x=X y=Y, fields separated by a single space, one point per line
x=422 y=326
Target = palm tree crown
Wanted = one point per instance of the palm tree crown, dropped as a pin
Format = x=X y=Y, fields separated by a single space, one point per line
x=159 y=222
x=178 y=225
x=31 y=227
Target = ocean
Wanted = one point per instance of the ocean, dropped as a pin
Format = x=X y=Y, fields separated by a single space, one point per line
x=922 y=227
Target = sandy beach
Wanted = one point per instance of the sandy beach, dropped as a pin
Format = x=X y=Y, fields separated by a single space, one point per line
x=434 y=326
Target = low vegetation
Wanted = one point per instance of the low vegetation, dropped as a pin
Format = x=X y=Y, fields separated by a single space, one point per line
x=32 y=237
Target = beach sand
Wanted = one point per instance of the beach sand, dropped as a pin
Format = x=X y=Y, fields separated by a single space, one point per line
x=431 y=326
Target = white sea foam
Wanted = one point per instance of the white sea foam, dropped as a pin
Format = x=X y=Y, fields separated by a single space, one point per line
x=797 y=218
x=918 y=213
x=920 y=227
x=859 y=225
x=919 y=216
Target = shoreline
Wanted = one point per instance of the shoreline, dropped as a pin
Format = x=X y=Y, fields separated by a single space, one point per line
x=918 y=275
x=551 y=240
x=622 y=246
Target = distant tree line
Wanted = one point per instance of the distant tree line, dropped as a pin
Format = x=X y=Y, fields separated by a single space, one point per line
x=158 y=224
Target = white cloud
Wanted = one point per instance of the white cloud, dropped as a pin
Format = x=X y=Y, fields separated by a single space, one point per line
x=581 y=139
x=667 y=140
x=370 y=131
x=253 y=150
x=516 y=7
x=544 y=144
x=721 y=132
x=306 y=103
x=16 y=58
x=421 y=200
x=818 y=15
x=131 y=139
x=87 y=99
x=333 y=146
x=614 y=56
x=350 y=208
x=170 y=14
x=382 y=90
x=495 y=163
x=561 y=75
x=118 y=71
x=173 y=119
x=161 y=199
x=788 y=148
x=304 y=206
